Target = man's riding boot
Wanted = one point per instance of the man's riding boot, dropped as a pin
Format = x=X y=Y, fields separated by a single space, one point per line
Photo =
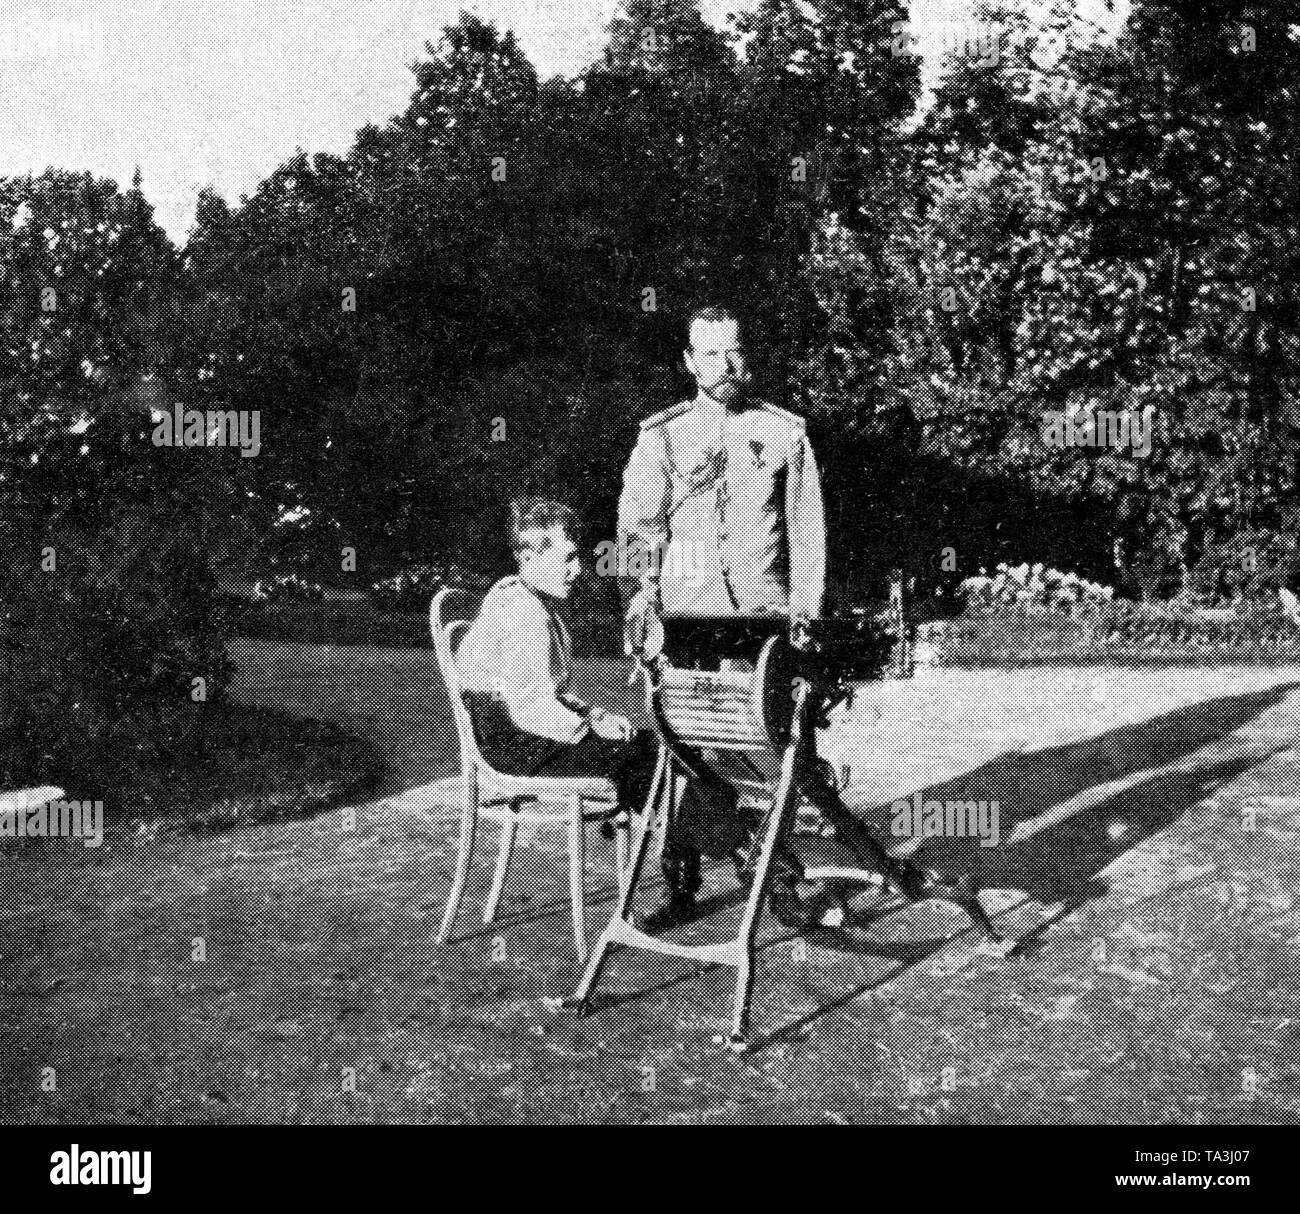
x=681 y=869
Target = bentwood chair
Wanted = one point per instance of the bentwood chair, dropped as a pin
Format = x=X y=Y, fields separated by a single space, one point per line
x=510 y=801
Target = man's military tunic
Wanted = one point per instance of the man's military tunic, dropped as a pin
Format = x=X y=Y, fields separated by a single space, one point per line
x=725 y=508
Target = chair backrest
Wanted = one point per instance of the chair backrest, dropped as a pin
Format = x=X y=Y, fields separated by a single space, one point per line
x=446 y=636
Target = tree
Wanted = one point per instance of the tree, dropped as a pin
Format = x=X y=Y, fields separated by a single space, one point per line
x=1104 y=266
x=823 y=101
x=107 y=584
x=666 y=38
x=357 y=297
x=815 y=159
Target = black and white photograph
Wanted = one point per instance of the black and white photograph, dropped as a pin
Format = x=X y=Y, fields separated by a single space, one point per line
x=650 y=562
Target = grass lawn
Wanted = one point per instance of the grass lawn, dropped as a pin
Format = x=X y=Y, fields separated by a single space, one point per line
x=1160 y=981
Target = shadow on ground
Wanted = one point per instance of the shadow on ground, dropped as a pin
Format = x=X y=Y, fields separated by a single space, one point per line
x=1058 y=860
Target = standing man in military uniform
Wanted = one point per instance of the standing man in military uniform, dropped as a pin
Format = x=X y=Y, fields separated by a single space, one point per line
x=721 y=514
x=722 y=501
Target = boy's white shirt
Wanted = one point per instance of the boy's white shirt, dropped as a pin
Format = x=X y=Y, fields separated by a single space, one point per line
x=519 y=650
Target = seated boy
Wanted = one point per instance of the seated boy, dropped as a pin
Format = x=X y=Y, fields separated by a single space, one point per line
x=515 y=663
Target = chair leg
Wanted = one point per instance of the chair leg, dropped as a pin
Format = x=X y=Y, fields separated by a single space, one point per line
x=509 y=831
x=622 y=829
x=578 y=877
x=468 y=821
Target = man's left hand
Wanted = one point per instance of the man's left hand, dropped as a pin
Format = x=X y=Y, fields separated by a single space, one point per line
x=642 y=633
x=610 y=726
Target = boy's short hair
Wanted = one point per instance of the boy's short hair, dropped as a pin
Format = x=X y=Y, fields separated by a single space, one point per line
x=713 y=313
x=530 y=520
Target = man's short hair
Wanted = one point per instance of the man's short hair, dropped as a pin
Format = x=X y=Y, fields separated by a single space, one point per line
x=712 y=313
x=530 y=520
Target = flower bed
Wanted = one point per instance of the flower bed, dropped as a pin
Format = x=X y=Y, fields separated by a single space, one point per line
x=1030 y=616
x=1035 y=590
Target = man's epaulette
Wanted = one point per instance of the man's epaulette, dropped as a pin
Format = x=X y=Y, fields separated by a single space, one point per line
x=785 y=413
x=666 y=415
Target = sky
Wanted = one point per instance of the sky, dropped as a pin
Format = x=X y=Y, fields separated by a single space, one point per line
x=218 y=92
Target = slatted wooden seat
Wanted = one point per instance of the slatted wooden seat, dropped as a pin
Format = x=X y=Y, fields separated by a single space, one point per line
x=720 y=710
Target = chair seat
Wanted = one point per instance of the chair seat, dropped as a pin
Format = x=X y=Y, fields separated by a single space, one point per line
x=497 y=793
x=496 y=784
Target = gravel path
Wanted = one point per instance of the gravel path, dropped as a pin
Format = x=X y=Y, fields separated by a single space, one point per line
x=1160 y=981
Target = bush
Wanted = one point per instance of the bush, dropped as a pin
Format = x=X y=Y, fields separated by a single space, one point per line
x=1251 y=565
x=1022 y=632
x=104 y=658
x=108 y=542
x=108 y=602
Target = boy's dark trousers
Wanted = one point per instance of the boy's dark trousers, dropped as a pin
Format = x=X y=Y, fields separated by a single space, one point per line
x=515 y=752
x=630 y=766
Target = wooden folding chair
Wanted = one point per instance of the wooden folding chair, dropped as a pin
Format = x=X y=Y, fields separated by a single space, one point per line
x=570 y=801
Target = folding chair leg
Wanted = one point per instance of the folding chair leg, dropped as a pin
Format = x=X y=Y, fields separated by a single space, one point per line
x=468 y=821
x=636 y=863
x=578 y=877
x=783 y=807
x=509 y=830
x=737 y=952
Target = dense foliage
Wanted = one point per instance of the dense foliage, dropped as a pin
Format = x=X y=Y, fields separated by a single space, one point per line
x=484 y=295
x=108 y=543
